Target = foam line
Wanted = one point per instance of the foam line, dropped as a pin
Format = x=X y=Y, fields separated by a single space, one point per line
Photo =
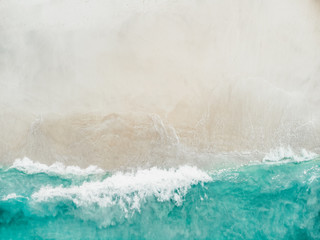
x=28 y=166
x=129 y=189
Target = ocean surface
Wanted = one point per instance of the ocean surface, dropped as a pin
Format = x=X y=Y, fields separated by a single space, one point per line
x=276 y=198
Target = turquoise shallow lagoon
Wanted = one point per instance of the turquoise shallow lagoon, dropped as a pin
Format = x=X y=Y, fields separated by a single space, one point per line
x=261 y=201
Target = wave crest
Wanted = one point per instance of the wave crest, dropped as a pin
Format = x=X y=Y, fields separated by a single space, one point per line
x=283 y=155
x=28 y=166
x=128 y=190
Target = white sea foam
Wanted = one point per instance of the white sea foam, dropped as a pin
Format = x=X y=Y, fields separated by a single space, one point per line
x=28 y=166
x=11 y=196
x=283 y=155
x=128 y=190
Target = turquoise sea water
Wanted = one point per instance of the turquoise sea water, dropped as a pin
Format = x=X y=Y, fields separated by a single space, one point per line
x=261 y=201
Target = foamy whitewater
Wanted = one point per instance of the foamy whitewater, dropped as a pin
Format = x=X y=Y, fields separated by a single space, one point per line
x=254 y=201
x=159 y=119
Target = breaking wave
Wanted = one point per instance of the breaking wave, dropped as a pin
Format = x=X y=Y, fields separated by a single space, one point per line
x=282 y=199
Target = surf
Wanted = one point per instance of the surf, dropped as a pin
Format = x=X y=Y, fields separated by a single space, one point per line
x=281 y=199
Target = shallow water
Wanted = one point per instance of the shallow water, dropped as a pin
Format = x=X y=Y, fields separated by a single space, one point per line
x=276 y=199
